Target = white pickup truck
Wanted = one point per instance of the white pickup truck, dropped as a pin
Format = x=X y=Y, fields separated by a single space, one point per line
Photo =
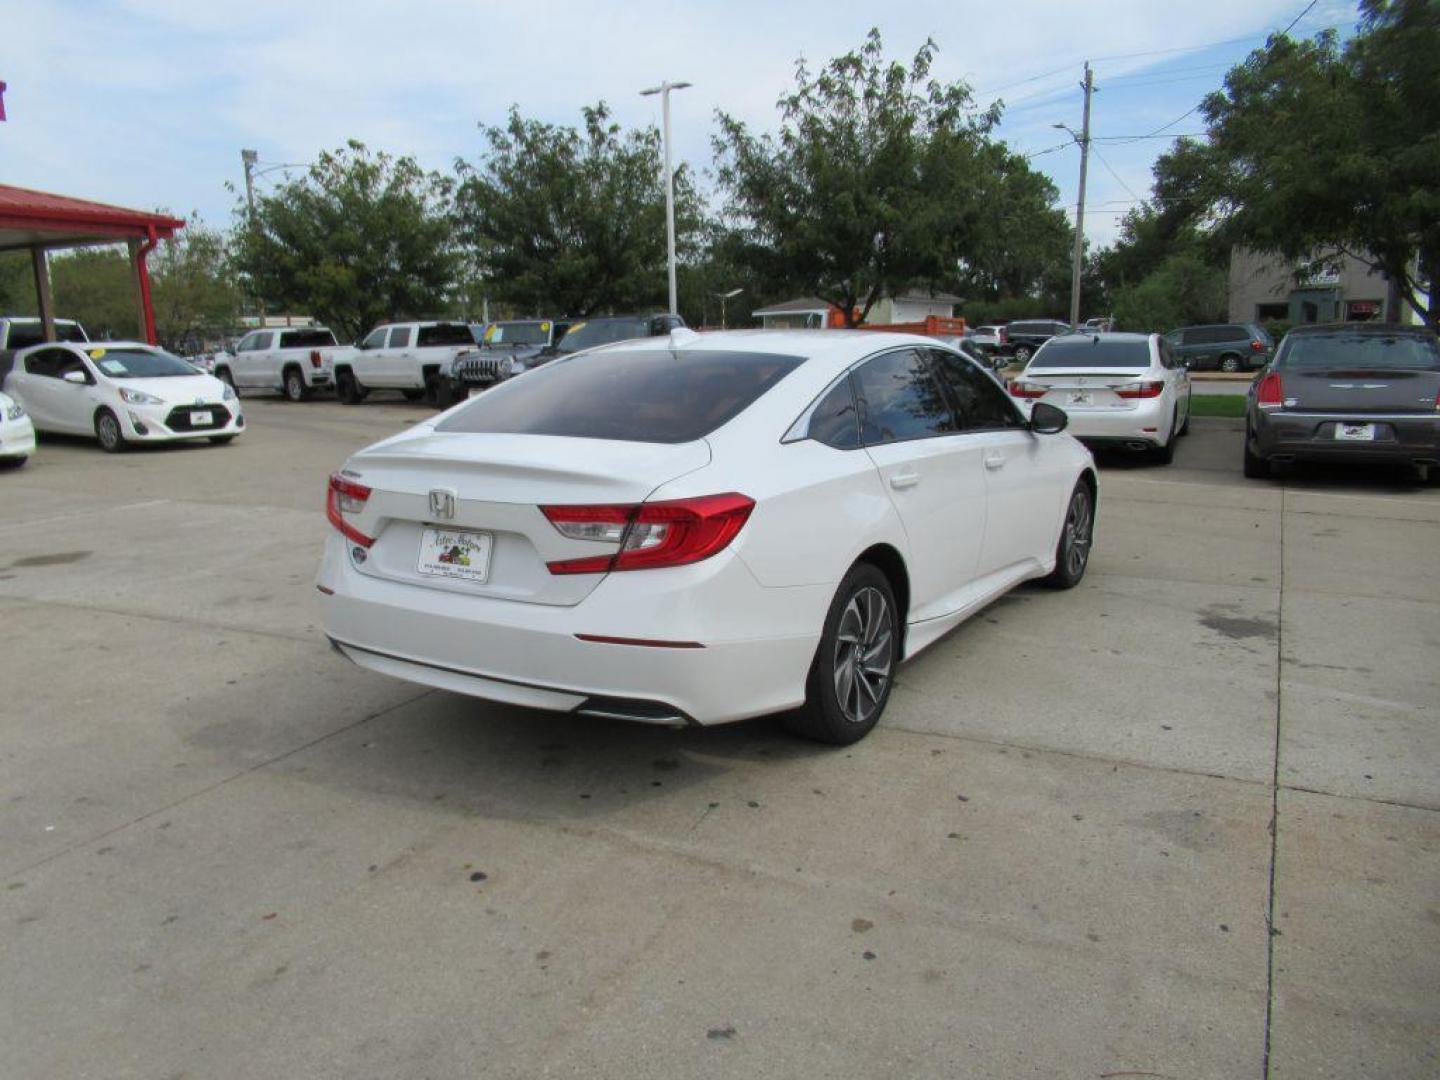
x=294 y=360
x=22 y=331
x=412 y=357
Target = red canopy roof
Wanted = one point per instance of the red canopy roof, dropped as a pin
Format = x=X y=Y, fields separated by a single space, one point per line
x=28 y=218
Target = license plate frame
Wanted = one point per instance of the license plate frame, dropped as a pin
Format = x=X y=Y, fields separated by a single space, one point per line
x=202 y=418
x=1354 y=432
x=458 y=554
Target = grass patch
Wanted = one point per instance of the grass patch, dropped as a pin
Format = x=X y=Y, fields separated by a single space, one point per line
x=1218 y=405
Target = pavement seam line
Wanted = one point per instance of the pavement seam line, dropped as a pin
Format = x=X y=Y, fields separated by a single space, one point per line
x=1275 y=799
x=183 y=620
x=208 y=788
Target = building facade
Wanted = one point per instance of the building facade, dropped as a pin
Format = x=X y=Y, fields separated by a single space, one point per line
x=1342 y=288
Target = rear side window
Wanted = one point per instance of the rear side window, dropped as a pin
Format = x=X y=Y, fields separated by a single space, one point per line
x=899 y=399
x=834 y=421
x=446 y=334
x=1343 y=351
x=1087 y=351
x=306 y=339
x=651 y=395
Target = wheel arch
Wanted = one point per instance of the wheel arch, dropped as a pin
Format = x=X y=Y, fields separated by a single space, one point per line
x=891 y=563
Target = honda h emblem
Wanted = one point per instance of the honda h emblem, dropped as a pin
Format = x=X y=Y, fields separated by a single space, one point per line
x=442 y=504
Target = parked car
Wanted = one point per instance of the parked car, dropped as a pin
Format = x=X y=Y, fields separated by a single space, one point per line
x=992 y=338
x=295 y=360
x=1222 y=346
x=701 y=528
x=967 y=345
x=506 y=348
x=1349 y=392
x=485 y=368
x=1127 y=391
x=412 y=357
x=1027 y=335
x=1101 y=324
x=21 y=331
x=122 y=392
x=17 y=433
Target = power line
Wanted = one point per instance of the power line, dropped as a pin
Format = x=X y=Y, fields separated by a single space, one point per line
x=1299 y=17
x=1112 y=172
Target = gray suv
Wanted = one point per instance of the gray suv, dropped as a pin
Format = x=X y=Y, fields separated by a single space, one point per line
x=1222 y=346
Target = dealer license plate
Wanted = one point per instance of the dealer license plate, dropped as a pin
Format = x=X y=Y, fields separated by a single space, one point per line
x=1080 y=397
x=1355 y=432
x=202 y=419
x=455 y=553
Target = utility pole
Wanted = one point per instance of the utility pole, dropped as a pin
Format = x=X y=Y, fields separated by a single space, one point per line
x=1079 y=257
x=664 y=91
x=248 y=158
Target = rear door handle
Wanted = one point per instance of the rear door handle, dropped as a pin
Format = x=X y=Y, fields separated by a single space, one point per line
x=904 y=480
x=995 y=461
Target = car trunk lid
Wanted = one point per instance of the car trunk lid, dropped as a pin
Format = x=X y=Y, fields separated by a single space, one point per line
x=1080 y=388
x=1360 y=390
x=478 y=496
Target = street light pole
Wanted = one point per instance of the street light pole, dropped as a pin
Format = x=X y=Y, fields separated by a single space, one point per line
x=664 y=91
x=248 y=159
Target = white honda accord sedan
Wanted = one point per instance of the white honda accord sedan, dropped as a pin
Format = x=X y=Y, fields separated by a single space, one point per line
x=122 y=392
x=700 y=528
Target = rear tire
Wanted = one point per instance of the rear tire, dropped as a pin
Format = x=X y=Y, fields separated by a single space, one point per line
x=348 y=388
x=13 y=462
x=1231 y=362
x=854 y=666
x=1185 y=427
x=1256 y=467
x=416 y=395
x=295 y=388
x=1077 y=536
x=109 y=432
x=1164 y=455
x=1022 y=354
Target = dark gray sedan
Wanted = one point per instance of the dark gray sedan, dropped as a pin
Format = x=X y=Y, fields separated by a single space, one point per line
x=1348 y=392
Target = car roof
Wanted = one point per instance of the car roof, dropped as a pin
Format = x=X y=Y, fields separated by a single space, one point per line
x=1103 y=335
x=1387 y=329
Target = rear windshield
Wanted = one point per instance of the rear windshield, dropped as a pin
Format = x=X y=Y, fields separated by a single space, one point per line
x=653 y=395
x=518 y=333
x=306 y=339
x=587 y=335
x=450 y=333
x=138 y=363
x=1086 y=351
x=25 y=333
x=1342 y=351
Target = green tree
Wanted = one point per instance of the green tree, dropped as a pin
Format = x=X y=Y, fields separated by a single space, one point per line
x=868 y=187
x=1315 y=148
x=1021 y=235
x=1185 y=288
x=96 y=287
x=572 y=222
x=360 y=238
x=192 y=288
x=17 y=284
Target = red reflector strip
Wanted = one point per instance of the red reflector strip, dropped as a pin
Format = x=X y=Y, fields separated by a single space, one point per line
x=648 y=643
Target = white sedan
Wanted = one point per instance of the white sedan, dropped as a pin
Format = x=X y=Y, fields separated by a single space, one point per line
x=694 y=529
x=1126 y=391
x=17 y=433
x=122 y=392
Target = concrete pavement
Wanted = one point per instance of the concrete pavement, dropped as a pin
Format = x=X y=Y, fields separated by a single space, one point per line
x=229 y=853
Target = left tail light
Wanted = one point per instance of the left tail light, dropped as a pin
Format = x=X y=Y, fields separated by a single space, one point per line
x=1140 y=390
x=315 y=360
x=346 y=497
x=1270 y=394
x=1257 y=345
x=673 y=532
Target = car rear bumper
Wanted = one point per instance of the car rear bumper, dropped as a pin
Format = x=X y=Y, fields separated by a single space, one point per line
x=735 y=649
x=1399 y=438
x=1144 y=423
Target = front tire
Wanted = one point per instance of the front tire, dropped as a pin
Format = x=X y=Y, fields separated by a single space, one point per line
x=223 y=374
x=1022 y=354
x=854 y=666
x=1077 y=535
x=222 y=440
x=428 y=393
x=13 y=462
x=109 y=432
x=348 y=389
x=295 y=389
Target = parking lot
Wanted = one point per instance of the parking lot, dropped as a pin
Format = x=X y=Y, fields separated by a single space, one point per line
x=1182 y=822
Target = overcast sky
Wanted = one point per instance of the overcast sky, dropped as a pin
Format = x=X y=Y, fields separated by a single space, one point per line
x=148 y=102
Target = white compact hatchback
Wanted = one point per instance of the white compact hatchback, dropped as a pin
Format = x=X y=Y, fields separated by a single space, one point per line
x=695 y=529
x=1124 y=391
x=17 y=433
x=122 y=392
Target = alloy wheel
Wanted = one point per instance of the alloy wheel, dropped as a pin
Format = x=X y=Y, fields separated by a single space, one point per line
x=108 y=430
x=864 y=654
x=1079 y=527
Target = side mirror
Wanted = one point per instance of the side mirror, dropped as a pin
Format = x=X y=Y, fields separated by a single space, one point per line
x=1046 y=419
x=76 y=377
